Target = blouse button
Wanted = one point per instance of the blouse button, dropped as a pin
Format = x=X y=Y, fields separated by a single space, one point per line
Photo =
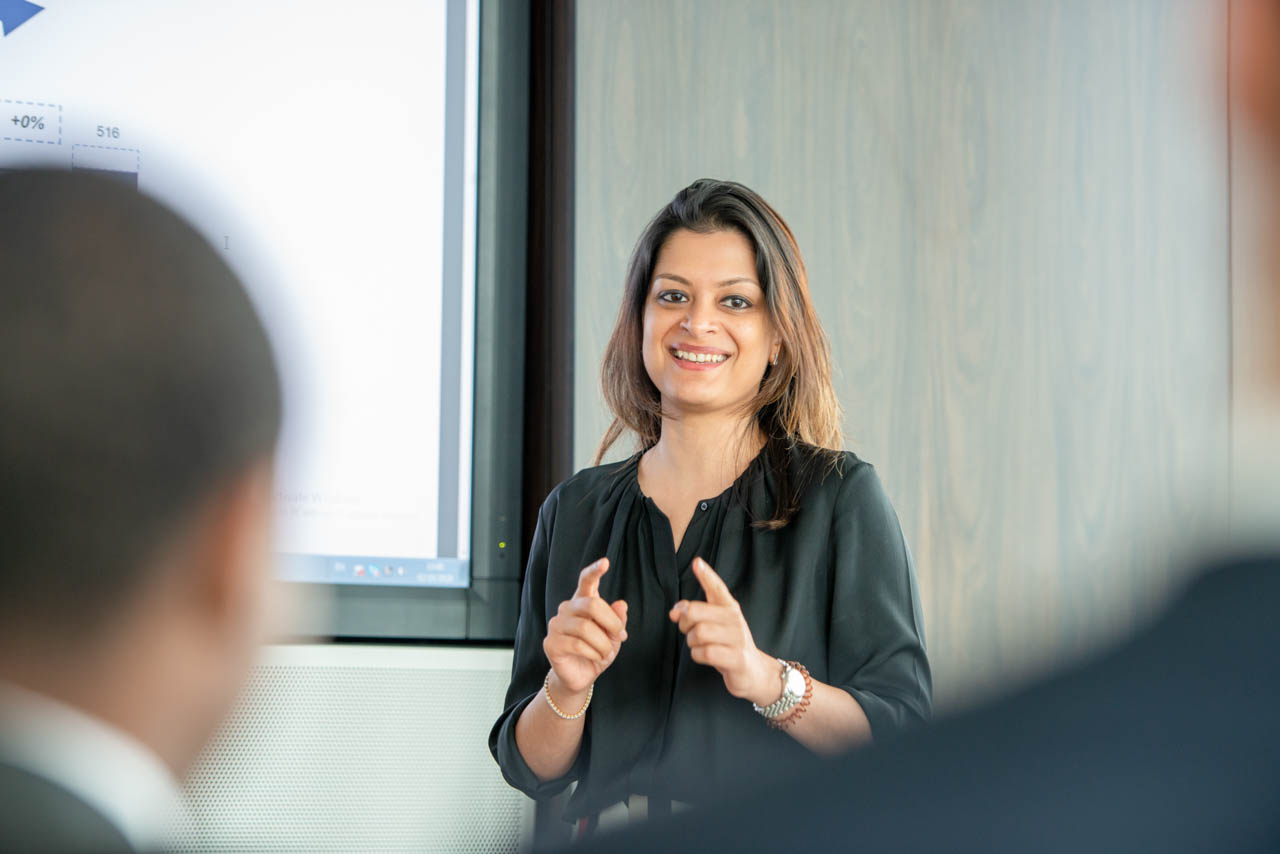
x=704 y=505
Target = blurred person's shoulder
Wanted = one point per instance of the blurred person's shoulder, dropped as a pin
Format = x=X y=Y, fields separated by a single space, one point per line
x=1234 y=586
x=37 y=814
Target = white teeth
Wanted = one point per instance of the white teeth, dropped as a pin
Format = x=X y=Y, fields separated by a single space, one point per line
x=700 y=357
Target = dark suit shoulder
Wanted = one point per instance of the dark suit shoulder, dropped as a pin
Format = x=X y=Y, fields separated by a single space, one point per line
x=38 y=815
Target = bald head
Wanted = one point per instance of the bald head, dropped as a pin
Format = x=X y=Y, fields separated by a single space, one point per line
x=135 y=380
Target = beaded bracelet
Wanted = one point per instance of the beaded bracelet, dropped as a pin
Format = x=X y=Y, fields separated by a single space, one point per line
x=546 y=692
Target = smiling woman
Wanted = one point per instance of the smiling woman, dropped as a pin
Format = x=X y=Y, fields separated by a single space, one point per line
x=707 y=340
x=722 y=234
x=748 y=598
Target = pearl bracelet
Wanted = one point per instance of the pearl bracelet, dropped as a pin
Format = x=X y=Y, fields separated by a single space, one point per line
x=546 y=692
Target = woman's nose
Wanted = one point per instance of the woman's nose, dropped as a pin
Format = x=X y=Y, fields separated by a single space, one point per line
x=699 y=319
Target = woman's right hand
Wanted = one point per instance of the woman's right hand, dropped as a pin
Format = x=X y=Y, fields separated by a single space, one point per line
x=584 y=636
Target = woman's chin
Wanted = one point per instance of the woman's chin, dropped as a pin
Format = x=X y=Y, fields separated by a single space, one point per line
x=691 y=402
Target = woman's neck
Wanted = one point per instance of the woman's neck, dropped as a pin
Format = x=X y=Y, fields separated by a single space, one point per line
x=708 y=450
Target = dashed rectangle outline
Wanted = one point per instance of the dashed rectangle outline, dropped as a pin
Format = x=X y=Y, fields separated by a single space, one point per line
x=136 y=151
x=35 y=104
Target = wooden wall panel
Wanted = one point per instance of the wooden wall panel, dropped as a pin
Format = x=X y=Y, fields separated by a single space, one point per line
x=1015 y=222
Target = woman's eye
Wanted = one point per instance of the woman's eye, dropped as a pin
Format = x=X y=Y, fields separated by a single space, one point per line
x=672 y=297
x=737 y=302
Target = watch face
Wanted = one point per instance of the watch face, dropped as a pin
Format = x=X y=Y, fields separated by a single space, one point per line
x=795 y=682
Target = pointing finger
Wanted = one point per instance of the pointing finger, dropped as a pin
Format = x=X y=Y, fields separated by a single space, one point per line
x=715 y=588
x=589 y=578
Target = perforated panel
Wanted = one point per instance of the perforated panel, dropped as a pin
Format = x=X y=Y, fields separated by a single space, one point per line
x=358 y=749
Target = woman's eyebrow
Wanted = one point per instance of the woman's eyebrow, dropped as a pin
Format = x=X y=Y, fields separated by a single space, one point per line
x=726 y=283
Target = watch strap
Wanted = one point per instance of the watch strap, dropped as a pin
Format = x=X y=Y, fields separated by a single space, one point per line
x=797 y=711
x=789 y=699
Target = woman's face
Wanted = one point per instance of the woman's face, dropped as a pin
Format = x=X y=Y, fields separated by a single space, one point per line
x=707 y=332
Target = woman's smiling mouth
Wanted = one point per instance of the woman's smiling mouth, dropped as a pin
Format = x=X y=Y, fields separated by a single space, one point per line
x=690 y=358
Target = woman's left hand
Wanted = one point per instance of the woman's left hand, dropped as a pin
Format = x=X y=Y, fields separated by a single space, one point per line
x=718 y=636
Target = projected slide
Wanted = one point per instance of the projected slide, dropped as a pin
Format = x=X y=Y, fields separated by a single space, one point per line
x=328 y=150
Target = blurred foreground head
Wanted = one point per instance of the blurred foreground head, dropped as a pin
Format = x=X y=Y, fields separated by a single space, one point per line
x=139 y=411
x=1255 y=69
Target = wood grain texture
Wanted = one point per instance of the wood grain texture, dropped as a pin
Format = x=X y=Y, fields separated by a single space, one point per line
x=1014 y=217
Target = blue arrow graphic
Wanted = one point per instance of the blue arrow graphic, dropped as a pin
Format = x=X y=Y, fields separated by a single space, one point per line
x=15 y=13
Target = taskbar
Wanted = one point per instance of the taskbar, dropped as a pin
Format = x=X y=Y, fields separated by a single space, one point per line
x=374 y=570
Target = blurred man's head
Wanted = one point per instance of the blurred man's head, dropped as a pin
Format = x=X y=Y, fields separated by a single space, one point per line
x=139 y=411
x=1255 y=70
x=1257 y=66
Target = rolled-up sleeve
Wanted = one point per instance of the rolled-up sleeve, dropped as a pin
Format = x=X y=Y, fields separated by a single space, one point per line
x=529 y=667
x=876 y=647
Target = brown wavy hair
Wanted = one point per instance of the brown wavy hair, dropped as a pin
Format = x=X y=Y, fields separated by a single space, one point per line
x=796 y=406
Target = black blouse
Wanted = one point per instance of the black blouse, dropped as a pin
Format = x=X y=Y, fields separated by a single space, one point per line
x=834 y=589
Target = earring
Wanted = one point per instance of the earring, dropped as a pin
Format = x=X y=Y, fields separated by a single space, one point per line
x=774 y=360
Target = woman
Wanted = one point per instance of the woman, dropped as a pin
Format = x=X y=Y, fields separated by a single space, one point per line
x=747 y=596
